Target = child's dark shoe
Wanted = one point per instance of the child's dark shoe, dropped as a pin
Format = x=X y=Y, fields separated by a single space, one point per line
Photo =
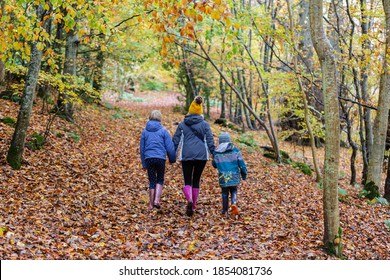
x=224 y=214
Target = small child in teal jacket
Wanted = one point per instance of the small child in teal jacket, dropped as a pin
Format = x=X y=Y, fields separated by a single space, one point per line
x=231 y=168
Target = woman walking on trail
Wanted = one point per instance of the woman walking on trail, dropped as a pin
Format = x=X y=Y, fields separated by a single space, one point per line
x=194 y=143
x=156 y=143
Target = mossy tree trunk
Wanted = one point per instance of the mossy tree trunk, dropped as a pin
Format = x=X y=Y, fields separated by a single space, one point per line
x=15 y=152
x=327 y=59
x=2 y=73
x=98 y=73
x=65 y=100
x=380 y=124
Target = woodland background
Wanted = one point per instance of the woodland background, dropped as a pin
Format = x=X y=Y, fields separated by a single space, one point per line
x=79 y=78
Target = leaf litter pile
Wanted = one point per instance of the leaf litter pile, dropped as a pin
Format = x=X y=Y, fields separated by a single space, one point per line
x=84 y=195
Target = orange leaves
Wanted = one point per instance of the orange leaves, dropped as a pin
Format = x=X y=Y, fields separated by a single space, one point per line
x=160 y=28
x=183 y=17
x=188 y=30
x=169 y=38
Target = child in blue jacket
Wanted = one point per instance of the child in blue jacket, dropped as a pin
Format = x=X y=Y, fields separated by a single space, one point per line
x=156 y=144
x=231 y=168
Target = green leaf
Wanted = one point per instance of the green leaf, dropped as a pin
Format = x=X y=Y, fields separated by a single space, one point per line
x=342 y=192
x=382 y=200
x=387 y=223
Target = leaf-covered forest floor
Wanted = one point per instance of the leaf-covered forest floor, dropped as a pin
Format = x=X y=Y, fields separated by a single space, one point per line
x=84 y=196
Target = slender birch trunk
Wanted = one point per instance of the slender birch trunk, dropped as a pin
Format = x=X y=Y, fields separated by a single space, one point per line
x=366 y=48
x=325 y=52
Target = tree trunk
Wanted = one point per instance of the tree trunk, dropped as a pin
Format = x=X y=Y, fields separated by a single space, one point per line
x=380 y=124
x=368 y=143
x=325 y=52
x=98 y=73
x=65 y=103
x=2 y=65
x=387 y=184
x=346 y=111
x=57 y=45
x=305 y=45
x=243 y=89
x=2 y=73
x=304 y=98
x=223 y=94
x=191 y=91
x=230 y=97
x=15 y=152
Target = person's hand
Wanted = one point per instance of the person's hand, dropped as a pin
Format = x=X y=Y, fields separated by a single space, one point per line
x=243 y=182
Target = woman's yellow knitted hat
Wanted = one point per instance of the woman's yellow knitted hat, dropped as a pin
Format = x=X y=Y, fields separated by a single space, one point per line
x=196 y=106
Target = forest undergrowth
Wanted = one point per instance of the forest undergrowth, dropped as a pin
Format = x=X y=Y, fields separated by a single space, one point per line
x=84 y=196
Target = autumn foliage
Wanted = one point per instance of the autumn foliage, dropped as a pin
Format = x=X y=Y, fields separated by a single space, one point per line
x=85 y=197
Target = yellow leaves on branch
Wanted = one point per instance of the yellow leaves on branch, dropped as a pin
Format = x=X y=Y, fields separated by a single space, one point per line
x=175 y=62
x=57 y=18
x=40 y=46
x=163 y=51
x=169 y=38
x=215 y=15
x=17 y=45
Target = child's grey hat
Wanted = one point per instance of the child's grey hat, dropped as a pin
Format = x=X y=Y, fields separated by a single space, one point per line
x=224 y=137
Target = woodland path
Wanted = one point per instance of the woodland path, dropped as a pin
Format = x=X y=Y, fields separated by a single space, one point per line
x=88 y=200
